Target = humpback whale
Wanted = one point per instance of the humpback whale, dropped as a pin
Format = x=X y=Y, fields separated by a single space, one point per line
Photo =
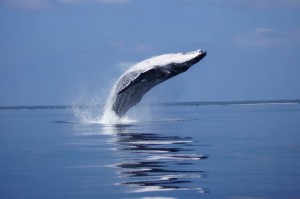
x=139 y=79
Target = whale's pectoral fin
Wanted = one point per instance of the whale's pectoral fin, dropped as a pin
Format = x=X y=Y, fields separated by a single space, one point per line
x=142 y=77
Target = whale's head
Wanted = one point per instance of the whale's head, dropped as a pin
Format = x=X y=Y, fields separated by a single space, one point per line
x=191 y=58
x=180 y=62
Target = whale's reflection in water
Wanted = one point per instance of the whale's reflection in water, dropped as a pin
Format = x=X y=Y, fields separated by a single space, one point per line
x=156 y=162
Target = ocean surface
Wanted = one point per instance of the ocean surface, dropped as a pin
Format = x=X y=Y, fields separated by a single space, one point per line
x=246 y=150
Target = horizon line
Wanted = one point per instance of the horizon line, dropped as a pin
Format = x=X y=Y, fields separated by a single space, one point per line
x=182 y=103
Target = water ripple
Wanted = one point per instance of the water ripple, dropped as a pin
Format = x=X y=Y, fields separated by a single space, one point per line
x=155 y=162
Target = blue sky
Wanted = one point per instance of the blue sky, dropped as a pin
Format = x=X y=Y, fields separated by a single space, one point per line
x=59 y=51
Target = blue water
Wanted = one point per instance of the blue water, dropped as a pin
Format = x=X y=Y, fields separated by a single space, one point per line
x=223 y=151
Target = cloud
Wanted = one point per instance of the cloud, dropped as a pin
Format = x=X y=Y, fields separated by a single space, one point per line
x=26 y=4
x=252 y=3
x=266 y=3
x=42 y=4
x=94 y=1
x=262 y=37
x=263 y=30
x=259 y=37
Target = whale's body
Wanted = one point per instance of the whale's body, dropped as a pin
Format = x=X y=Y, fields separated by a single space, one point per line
x=138 y=80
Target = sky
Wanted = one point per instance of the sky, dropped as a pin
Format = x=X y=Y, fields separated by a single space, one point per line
x=55 y=52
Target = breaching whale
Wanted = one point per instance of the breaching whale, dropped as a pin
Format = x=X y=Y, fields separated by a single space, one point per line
x=138 y=80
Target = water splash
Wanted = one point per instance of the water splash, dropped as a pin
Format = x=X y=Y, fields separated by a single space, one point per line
x=89 y=108
x=99 y=114
x=93 y=110
x=109 y=117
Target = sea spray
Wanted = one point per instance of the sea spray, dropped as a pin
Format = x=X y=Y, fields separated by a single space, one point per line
x=97 y=109
x=89 y=108
x=87 y=113
x=109 y=117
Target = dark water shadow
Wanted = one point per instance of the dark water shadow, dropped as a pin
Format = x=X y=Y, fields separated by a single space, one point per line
x=157 y=162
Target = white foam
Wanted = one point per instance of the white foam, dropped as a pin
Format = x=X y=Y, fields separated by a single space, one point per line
x=110 y=117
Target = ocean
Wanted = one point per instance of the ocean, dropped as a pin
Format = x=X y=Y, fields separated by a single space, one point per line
x=245 y=150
